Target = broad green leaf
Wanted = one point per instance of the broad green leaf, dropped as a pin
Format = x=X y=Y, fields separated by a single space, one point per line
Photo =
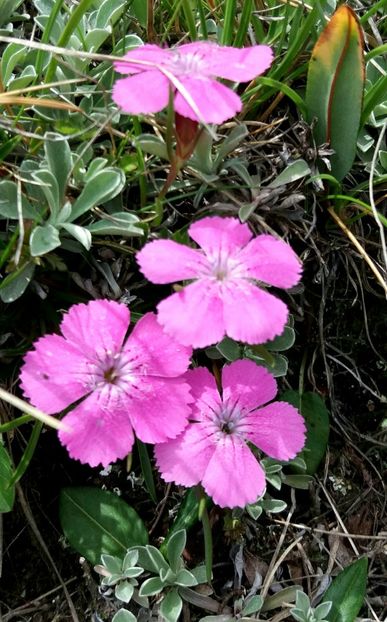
x=101 y=188
x=58 y=156
x=109 y=12
x=24 y=78
x=347 y=592
x=252 y=605
x=151 y=559
x=96 y=521
x=316 y=418
x=287 y=595
x=295 y=170
x=171 y=606
x=229 y=348
x=8 y=8
x=43 y=240
x=151 y=586
x=231 y=142
x=11 y=56
x=149 y=143
x=185 y=578
x=282 y=342
x=334 y=88
x=187 y=516
x=15 y=284
x=7 y=492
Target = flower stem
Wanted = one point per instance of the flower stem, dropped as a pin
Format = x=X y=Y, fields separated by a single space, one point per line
x=203 y=515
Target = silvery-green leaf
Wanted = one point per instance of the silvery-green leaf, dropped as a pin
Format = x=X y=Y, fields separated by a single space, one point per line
x=95 y=166
x=200 y=574
x=151 y=559
x=167 y=575
x=109 y=12
x=127 y=42
x=254 y=510
x=120 y=223
x=300 y=482
x=64 y=213
x=10 y=57
x=299 y=615
x=231 y=142
x=8 y=202
x=287 y=595
x=302 y=601
x=49 y=186
x=274 y=505
x=282 y=342
x=294 y=171
x=130 y=559
x=43 y=240
x=151 y=586
x=132 y=573
x=175 y=548
x=59 y=160
x=252 y=605
x=24 y=79
x=79 y=233
x=322 y=610
x=101 y=188
x=96 y=37
x=185 y=578
x=149 y=143
x=171 y=606
x=112 y=563
x=229 y=348
x=123 y=615
x=124 y=591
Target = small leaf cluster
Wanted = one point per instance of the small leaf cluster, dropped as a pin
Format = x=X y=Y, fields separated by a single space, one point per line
x=303 y=612
x=169 y=574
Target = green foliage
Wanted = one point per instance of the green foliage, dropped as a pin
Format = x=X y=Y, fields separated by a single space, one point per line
x=316 y=416
x=97 y=522
x=303 y=612
x=7 y=491
x=335 y=86
x=347 y=592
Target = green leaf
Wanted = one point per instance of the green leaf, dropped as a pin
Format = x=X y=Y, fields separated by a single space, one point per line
x=8 y=202
x=151 y=586
x=15 y=284
x=124 y=591
x=185 y=578
x=274 y=505
x=171 y=606
x=105 y=185
x=43 y=240
x=58 y=156
x=187 y=516
x=294 y=171
x=96 y=522
x=112 y=563
x=229 y=349
x=81 y=234
x=282 y=342
x=151 y=559
x=123 y=615
x=7 y=492
x=109 y=12
x=347 y=592
x=153 y=145
x=252 y=605
x=175 y=548
x=316 y=418
x=334 y=88
x=8 y=8
x=49 y=186
x=120 y=223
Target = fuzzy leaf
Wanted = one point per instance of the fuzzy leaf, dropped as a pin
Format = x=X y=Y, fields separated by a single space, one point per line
x=171 y=606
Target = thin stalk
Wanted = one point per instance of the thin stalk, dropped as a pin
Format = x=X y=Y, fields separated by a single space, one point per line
x=71 y=25
x=203 y=516
x=31 y=410
x=146 y=469
x=141 y=163
x=228 y=22
x=243 y=23
x=203 y=21
x=27 y=455
x=381 y=4
x=15 y=423
x=190 y=20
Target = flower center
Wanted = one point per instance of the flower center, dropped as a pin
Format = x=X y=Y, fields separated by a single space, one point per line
x=229 y=419
x=190 y=63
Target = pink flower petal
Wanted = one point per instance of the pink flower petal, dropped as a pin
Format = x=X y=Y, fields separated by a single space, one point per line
x=51 y=376
x=165 y=261
x=247 y=384
x=158 y=352
x=215 y=102
x=97 y=435
x=271 y=261
x=277 y=429
x=236 y=64
x=159 y=409
x=193 y=316
x=185 y=459
x=214 y=234
x=233 y=477
x=98 y=326
x=144 y=93
x=149 y=53
x=252 y=315
x=206 y=398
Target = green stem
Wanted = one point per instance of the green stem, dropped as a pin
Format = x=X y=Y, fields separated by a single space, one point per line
x=203 y=21
x=146 y=468
x=141 y=163
x=203 y=515
x=11 y=425
x=190 y=20
x=28 y=454
x=228 y=22
x=375 y=7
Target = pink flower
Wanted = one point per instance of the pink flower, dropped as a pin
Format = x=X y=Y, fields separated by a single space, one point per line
x=190 y=71
x=213 y=449
x=132 y=385
x=223 y=298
